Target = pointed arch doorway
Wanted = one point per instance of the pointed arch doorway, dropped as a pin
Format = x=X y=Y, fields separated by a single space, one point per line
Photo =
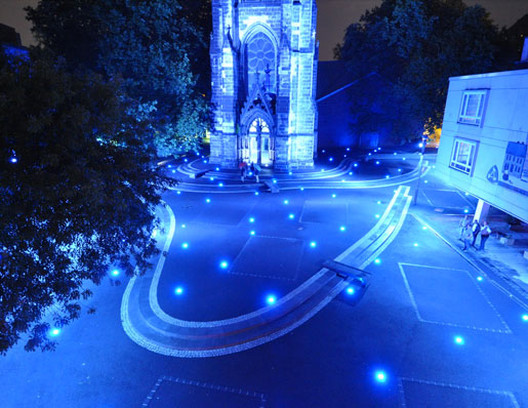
x=258 y=143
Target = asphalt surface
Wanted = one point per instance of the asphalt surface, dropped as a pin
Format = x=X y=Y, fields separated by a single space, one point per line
x=430 y=331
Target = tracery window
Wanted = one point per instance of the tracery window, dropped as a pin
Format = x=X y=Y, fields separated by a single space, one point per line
x=261 y=62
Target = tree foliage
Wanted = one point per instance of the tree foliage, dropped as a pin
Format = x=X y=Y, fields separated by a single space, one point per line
x=414 y=46
x=151 y=44
x=77 y=193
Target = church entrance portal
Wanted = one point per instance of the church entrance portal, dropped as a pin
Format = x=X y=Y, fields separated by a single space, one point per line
x=258 y=145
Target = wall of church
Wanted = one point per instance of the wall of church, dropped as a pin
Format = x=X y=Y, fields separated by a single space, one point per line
x=290 y=25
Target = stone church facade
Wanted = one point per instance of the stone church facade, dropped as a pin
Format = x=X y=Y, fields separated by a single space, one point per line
x=264 y=72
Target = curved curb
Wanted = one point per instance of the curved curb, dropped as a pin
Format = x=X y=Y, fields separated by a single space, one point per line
x=362 y=252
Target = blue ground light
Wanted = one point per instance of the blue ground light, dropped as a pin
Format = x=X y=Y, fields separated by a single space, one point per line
x=291 y=216
x=252 y=232
x=350 y=291
x=525 y=317
x=185 y=245
x=479 y=278
x=459 y=340
x=178 y=291
x=252 y=220
x=115 y=272
x=313 y=244
x=271 y=299
x=54 y=332
x=380 y=376
x=224 y=264
x=342 y=228
x=377 y=261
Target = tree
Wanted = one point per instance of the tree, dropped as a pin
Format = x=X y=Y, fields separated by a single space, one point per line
x=150 y=44
x=77 y=197
x=415 y=46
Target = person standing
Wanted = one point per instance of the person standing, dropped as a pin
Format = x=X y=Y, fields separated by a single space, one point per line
x=476 y=229
x=467 y=237
x=462 y=226
x=485 y=232
x=243 y=169
x=256 y=171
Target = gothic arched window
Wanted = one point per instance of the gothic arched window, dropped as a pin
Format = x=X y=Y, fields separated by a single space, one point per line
x=261 y=62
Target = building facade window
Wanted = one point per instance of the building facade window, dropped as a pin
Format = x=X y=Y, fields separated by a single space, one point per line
x=463 y=156
x=472 y=107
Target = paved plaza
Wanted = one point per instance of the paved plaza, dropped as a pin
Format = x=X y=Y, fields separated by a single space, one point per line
x=335 y=291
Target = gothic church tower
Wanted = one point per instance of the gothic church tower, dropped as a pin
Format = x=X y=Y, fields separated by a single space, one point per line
x=264 y=71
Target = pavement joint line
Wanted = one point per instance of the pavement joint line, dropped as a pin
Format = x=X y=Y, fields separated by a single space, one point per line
x=474 y=265
x=199 y=384
x=423 y=320
x=170 y=350
x=508 y=394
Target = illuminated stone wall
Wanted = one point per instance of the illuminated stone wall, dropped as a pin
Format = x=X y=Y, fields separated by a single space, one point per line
x=247 y=36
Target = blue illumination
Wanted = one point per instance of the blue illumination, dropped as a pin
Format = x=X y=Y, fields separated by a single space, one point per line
x=271 y=299
x=302 y=188
x=331 y=159
x=415 y=244
x=348 y=149
x=290 y=173
x=370 y=154
x=274 y=181
x=252 y=232
x=185 y=245
x=355 y=165
x=256 y=193
x=115 y=272
x=334 y=195
x=424 y=227
x=220 y=184
x=173 y=171
x=184 y=226
x=324 y=151
x=291 y=216
x=459 y=340
x=387 y=176
x=13 y=159
x=466 y=210
x=211 y=178
x=178 y=291
x=377 y=215
x=313 y=244
x=286 y=202
x=54 y=332
x=342 y=228
x=377 y=162
x=525 y=317
x=400 y=170
x=479 y=278
x=170 y=166
x=205 y=161
x=217 y=169
x=185 y=160
x=426 y=181
x=377 y=261
x=395 y=154
x=380 y=376
x=350 y=173
x=224 y=264
x=251 y=220
x=379 y=202
x=350 y=290
x=403 y=158
x=207 y=200
x=178 y=192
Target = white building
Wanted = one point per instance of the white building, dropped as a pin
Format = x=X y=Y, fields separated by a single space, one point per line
x=483 y=149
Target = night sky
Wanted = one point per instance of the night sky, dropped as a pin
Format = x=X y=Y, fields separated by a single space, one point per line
x=334 y=16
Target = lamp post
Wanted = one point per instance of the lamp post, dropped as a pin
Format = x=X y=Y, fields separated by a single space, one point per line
x=422 y=146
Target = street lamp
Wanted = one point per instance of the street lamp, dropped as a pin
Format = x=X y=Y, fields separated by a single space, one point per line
x=422 y=151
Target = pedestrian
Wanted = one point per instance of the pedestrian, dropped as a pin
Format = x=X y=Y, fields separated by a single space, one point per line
x=243 y=169
x=485 y=232
x=476 y=229
x=467 y=237
x=461 y=226
x=256 y=171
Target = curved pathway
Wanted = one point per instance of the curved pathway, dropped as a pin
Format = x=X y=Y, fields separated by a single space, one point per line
x=150 y=327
